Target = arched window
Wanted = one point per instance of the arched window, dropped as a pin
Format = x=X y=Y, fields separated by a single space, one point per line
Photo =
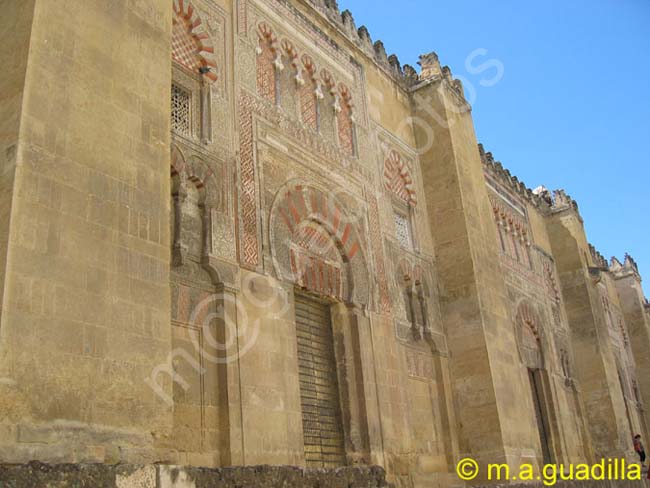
x=513 y=232
x=345 y=121
x=195 y=69
x=399 y=184
x=269 y=63
x=327 y=110
x=308 y=94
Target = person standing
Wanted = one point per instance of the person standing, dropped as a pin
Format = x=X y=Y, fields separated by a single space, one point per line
x=638 y=447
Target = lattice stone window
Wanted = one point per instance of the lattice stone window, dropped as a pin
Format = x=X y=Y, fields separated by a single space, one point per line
x=181 y=111
x=403 y=230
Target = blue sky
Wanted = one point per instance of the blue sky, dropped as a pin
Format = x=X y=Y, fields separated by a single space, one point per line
x=572 y=109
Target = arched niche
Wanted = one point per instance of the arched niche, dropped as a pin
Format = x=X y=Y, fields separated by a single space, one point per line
x=191 y=218
x=315 y=244
x=529 y=336
x=202 y=291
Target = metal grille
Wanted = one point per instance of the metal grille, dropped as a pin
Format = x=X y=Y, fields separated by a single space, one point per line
x=402 y=230
x=181 y=102
x=319 y=392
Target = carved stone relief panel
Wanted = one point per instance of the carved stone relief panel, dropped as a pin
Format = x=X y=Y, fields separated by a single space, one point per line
x=315 y=245
x=315 y=232
x=277 y=34
x=415 y=304
x=293 y=138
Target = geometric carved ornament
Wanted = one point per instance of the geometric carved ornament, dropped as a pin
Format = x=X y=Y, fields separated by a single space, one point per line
x=397 y=179
x=315 y=244
x=191 y=44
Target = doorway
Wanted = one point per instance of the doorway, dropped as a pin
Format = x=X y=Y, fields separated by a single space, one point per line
x=319 y=389
x=535 y=379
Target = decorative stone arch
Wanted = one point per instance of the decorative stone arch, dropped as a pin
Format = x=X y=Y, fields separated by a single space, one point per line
x=269 y=63
x=398 y=180
x=529 y=336
x=180 y=183
x=311 y=69
x=199 y=172
x=191 y=44
x=308 y=91
x=346 y=96
x=177 y=160
x=328 y=102
x=266 y=34
x=316 y=245
x=196 y=172
x=328 y=81
x=310 y=66
x=345 y=120
x=533 y=347
x=290 y=52
x=198 y=299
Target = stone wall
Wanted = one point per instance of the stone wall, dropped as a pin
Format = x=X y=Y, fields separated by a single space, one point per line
x=86 y=303
x=153 y=255
x=15 y=35
x=34 y=475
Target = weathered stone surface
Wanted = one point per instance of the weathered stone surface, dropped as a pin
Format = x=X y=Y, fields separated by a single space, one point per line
x=38 y=475
x=174 y=173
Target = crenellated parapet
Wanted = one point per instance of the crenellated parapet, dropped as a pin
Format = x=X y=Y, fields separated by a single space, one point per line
x=541 y=198
x=598 y=258
x=627 y=268
x=562 y=201
x=549 y=203
x=405 y=75
x=432 y=70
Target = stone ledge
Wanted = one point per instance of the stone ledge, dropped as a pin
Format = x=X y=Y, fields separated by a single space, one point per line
x=35 y=475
